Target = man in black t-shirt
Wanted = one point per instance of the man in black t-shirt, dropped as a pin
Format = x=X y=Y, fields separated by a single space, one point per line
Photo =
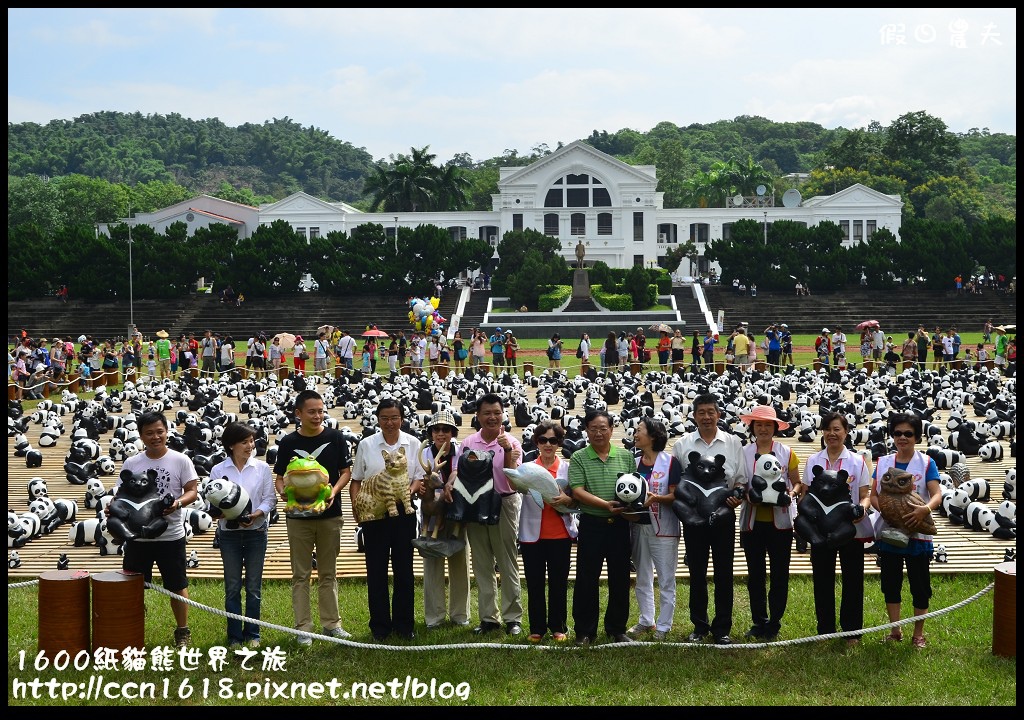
x=403 y=344
x=323 y=532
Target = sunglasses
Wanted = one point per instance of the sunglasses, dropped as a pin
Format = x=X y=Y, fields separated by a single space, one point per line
x=902 y=433
x=545 y=440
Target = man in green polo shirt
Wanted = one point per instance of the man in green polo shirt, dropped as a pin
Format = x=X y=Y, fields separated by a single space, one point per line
x=603 y=532
x=163 y=354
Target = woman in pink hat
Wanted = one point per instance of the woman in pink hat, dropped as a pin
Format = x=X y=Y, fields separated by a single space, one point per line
x=766 y=529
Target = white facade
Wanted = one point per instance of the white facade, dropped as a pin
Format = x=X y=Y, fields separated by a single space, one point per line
x=575 y=193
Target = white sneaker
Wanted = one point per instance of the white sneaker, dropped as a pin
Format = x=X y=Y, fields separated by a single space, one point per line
x=660 y=634
x=639 y=629
x=340 y=633
x=303 y=640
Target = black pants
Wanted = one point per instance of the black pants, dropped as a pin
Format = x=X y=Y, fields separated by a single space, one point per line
x=918 y=576
x=599 y=541
x=390 y=538
x=701 y=543
x=765 y=541
x=773 y=358
x=547 y=562
x=823 y=571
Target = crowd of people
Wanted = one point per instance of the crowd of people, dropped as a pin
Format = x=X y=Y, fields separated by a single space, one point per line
x=609 y=534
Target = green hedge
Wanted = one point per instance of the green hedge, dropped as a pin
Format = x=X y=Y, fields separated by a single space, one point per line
x=612 y=301
x=554 y=298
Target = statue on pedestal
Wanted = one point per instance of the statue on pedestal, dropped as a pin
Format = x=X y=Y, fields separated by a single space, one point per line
x=581 y=250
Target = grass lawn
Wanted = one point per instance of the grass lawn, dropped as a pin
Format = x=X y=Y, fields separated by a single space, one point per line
x=957 y=667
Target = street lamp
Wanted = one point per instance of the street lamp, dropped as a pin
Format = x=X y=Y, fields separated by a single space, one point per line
x=131 y=280
x=766 y=228
x=396 y=234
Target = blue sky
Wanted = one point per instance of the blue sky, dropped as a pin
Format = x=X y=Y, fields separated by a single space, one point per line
x=484 y=81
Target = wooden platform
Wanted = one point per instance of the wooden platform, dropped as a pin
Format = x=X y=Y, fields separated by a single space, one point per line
x=969 y=551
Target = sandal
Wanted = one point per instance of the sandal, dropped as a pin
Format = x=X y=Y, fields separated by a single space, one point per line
x=895 y=636
x=535 y=638
x=920 y=642
x=560 y=637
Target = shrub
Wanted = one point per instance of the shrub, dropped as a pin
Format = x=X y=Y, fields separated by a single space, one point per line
x=554 y=298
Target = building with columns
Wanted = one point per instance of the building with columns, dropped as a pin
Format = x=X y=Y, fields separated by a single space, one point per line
x=576 y=194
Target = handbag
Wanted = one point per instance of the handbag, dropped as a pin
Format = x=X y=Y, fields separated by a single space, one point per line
x=462 y=354
x=303 y=355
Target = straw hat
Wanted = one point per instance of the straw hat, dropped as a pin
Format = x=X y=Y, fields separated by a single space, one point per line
x=824 y=331
x=161 y=334
x=764 y=412
x=443 y=417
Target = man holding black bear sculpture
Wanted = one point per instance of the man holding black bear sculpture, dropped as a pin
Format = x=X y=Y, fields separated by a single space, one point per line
x=175 y=475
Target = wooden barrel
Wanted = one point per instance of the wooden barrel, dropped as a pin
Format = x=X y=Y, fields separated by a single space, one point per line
x=1004 y=610
x=527 y=367
x=634 y=368
x=441 y=370
x=118 y=610
x=719 y=368
x=64 y=612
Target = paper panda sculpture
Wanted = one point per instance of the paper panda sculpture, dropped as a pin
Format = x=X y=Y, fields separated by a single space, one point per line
x=137 y=509
x=940 y=555
x=229 y=500
x=1010 y=485
x=767 y=486
x=14 y=560
x=631 y=491
x=84 y=532
x=33 y=459
x=44 y=508
x=826 y=515
x=199 y=521
x=700 y=497
x=991 y=451
x=107 y=543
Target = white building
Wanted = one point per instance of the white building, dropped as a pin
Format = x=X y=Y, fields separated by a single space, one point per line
x=575 y=193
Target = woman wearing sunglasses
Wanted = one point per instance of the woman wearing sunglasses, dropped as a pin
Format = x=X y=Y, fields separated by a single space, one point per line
x=545 y=541
x=837 y=456
x=905 y=430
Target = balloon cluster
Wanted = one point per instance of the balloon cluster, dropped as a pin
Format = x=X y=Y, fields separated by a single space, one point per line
x=424 y=316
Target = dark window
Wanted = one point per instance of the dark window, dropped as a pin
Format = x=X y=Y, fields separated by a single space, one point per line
x=578 y=224
x=517 y=221
x=638 y=227
x=577 y=198
x=604 y=223
x=601 y=197
x=551 y=224
x=553 y=198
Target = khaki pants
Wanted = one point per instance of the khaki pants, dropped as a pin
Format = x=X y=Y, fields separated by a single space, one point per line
x=435 y=606
x=324 y=536
x=492 y=544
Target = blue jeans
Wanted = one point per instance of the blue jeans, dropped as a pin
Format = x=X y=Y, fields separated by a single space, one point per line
x=243 y=549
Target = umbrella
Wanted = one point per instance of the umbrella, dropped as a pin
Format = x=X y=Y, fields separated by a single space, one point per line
x=328 y=329
x=287 y=340
x=868 y=324
x=1005 y=328
x=661 y=327
x=374 y=332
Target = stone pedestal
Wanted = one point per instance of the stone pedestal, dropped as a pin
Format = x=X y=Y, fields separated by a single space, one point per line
x=581 y=283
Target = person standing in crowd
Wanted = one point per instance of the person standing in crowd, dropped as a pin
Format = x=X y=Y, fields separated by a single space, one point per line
x=906 y=429
x=366 y=358
x=511 y=352
x=459 y=348
x=545 y=542
x=610 y=357
x=987 y=331
x=494 y=546
x=403 y=348
x=603 y=532
x=921 y=338
x=696 y=350
x=715 y=540
x=654 y=533
x=497 y=342
x=322 y=533
x=786 y=340
x=664 y=350
x=259 y=354
x=163 y=354
x=1002 y=348
x=583 y=349
x=243 y=543
x=909 y=349
x=641 y=346
x=276 y=354
x=937 y=351
x=176 y=476
x=957 y=342
x=347 y=350
x=741 y=348
x=634 y=349
x=479 y=348
x=822 y=348
x=838 y=344
x=371 y=347
x=321 y=353
x=393 y=356
x=773 y=333
x=766 y=531
x=555 y=351
x=434 y=351
x=836 y=456
x=227 y=354
x=877 y=343
x=421 y=352
x=622 y=345
x=678 y=349
x=441 y=451
x=208 y=348
x=300 y=353
x=388 y=541
x=710 y=340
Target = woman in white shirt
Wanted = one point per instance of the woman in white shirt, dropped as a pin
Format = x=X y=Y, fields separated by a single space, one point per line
x=243 y=542
x=836 y=456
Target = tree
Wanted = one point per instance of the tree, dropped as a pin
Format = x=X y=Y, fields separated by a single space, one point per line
x=923 y=145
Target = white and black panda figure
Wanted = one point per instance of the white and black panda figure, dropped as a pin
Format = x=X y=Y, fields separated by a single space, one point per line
x=1006 y=514
x=992 y=451
x=1010 y=485
x=37 y=488
x=200 y=522
x=32 y=528
x=13 y=560
x=767 y=487
x=631 y=491
x=193 y=560
x=33 y=459
x=44 y=508
x=107 y=543
x=229 y=500
x=977 y=489
x=940 y=555
x=944 y=458
x=84 y=532
x=94 y=490
x=947 y=495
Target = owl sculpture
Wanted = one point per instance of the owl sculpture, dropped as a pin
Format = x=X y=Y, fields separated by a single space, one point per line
x=895 y=498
